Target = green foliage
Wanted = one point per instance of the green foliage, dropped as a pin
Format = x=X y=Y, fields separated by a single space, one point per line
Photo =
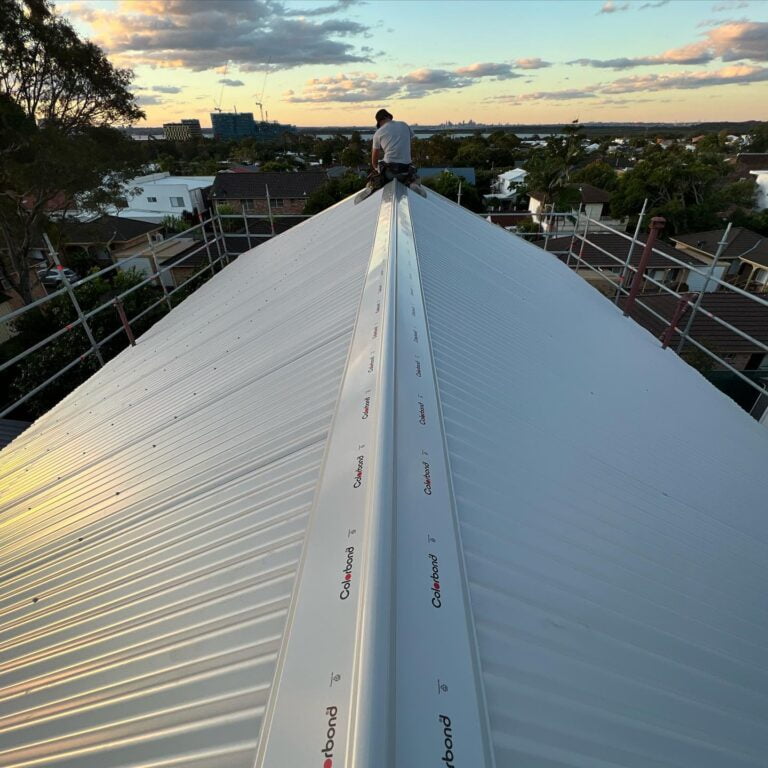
x=447 y=184
x=228 y=225
x=689 y=189
x=354 y=155
x=333 y=191
x=759 y=139
x=174 y=224
x=550 y=167
x=598 y=174
x=278 y=165
x=757 y=221
x=37 y=324
x=60 y=95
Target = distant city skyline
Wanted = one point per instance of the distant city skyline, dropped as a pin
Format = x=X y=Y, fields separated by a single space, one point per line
x=334 y=62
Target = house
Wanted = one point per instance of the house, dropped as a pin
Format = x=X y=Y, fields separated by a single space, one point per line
x=761 y=179
x=746 y=162
x=476 y=518
x=591 y=203
x=600 y=257
x=153 y=197
x=248 y=192
x=107 y=238
x=735 y=309
x=744 y=258
x=506 y=187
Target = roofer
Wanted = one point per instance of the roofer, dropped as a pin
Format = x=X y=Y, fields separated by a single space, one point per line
x=391 y=153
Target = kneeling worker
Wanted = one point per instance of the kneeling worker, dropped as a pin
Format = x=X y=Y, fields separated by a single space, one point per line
x=391 y=153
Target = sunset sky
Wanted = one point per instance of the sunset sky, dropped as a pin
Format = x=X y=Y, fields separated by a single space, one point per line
x=335 y=62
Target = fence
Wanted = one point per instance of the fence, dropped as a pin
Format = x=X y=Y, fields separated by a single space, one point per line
x=209 y=233
x=225 y=235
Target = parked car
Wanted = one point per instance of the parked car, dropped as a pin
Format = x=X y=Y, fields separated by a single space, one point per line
x=55 y=275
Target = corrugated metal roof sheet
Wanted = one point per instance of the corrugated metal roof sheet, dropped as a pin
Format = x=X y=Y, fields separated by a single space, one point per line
x=599 y=554
x=612 y=512
x=151 y=523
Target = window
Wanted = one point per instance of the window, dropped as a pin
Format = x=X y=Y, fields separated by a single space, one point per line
x=277 y=202
x=177 y=202
x=151 y=199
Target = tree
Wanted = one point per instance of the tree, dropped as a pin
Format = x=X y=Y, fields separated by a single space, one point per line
x=35 y=325
x=58 y=97
x=332 y=191
x=550 y=167
x=598 y=174
x=447 y=184
x=689 y=189
x=354 y=154
x=758 y=140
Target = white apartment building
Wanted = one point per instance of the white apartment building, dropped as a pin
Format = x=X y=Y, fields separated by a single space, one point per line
x=161 y=194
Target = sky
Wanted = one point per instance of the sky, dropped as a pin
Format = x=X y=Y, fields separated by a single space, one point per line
x=335 y=62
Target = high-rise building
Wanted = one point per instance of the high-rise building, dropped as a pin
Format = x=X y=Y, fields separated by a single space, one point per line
x=240 y=125
x=233 y=125
x=184 y=131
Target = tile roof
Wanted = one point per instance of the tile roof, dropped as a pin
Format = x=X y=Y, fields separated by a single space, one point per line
x=592 y=194
x=742 y=242
x=751 y=161
x=108 y=228
x=248 y=186
x=596 y=243
x=737 y=310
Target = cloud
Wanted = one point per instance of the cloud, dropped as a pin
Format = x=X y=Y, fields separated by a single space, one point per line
x=167 y=88
x=532 y=63
x=232 y=83
x=652 y=4
x=205 y=34
x=339 y=5
x=731 y=41
x=568 y=94
x=737 y=74
x=734 y=75
x=730 y=6
x=611 y=7
x=148 y=100
x=362 y=87
x=343 y=88
x=497 y=71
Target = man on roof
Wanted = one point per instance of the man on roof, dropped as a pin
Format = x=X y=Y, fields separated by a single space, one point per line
x=391 y=153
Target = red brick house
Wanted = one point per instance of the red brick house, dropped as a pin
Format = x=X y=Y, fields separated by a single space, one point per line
x=288 y=192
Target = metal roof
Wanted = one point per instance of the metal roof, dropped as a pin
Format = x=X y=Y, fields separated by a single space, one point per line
x=535 y=537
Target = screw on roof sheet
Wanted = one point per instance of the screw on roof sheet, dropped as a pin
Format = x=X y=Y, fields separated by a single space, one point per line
x=35 y=599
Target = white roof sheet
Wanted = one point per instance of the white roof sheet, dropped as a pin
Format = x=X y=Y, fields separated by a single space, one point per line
x=151 y=523
x=596 y=514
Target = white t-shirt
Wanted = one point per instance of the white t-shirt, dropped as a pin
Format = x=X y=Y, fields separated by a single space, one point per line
x=394 y=137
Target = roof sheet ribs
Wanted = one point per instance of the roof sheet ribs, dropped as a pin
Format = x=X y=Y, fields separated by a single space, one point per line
x=394 y=488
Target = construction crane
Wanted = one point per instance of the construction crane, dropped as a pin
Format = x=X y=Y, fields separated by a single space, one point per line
x=261 y=109
x=217 y=104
